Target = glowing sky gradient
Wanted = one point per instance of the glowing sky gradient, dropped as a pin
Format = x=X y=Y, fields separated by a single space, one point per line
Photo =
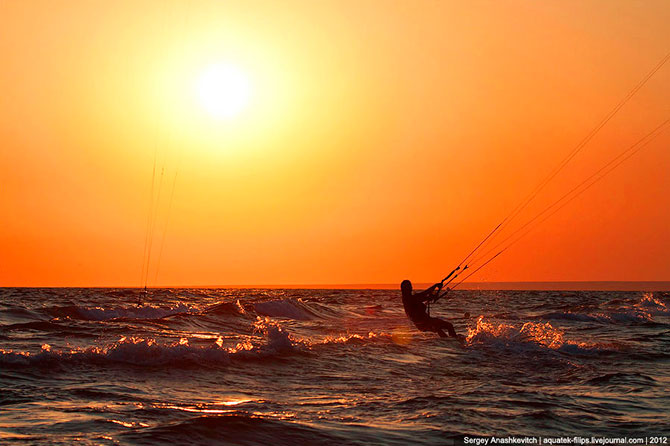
x=383 y=140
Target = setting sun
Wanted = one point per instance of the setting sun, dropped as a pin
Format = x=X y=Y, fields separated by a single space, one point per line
x=335 y=222
x=223 y=90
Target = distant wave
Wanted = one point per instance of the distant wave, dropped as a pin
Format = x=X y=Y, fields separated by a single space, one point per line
x=297 y=309
x=642 y=311
x=286 y=308
x=103 y=314
x=615 y=317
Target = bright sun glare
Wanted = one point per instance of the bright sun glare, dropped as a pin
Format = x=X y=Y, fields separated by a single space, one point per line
x=223 y=90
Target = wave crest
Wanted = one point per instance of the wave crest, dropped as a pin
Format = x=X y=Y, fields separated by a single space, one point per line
x=286 y=308
x=150 y=353
x=132 y=351
x=653 y=305
x=269 y=340
x=532 y=335
x=529 y=333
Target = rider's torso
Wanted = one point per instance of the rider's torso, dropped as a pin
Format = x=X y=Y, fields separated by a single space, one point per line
x=414 y=309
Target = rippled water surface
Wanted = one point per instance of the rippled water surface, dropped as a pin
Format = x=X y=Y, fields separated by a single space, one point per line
x=204 y=366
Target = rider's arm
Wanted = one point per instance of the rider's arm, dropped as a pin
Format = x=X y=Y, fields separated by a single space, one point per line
x=443 y=294
x=428 y=293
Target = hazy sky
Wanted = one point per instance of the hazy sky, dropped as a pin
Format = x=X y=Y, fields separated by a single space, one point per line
x=381 y=140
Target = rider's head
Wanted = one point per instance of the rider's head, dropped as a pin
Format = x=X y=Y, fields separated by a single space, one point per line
x=406 y=287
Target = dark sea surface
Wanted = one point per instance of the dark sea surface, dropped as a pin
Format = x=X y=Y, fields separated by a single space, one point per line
x=337 y=367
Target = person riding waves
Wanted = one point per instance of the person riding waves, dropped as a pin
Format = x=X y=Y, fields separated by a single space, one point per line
x=417 y=310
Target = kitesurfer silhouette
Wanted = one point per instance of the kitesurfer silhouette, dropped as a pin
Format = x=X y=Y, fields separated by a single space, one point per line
x=417 y=311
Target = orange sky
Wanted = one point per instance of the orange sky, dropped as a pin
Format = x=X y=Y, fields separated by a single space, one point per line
x=383 y=140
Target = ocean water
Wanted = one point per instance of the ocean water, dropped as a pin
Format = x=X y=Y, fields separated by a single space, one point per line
x=337 y=367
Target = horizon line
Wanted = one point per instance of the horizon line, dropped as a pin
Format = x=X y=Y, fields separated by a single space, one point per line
x=556 y=285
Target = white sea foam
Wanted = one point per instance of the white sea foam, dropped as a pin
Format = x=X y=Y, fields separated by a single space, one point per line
x=528 y=335
x=269 y=339
x=133 y=351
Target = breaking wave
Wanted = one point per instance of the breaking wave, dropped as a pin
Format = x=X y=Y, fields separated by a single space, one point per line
x=270 y=340
x=149 y=352
x=529 y=335
x=132 y=351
